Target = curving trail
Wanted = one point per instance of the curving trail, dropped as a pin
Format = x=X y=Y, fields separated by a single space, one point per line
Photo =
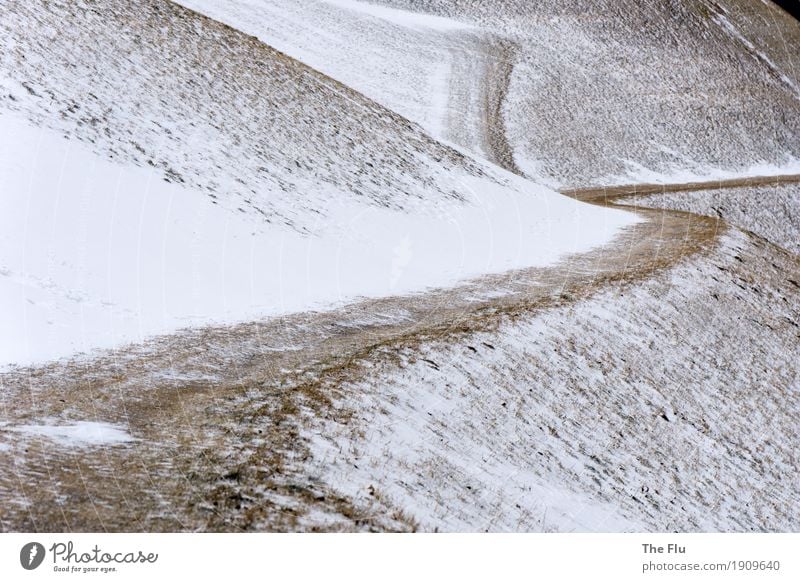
x=613 y=193
x=221 y=415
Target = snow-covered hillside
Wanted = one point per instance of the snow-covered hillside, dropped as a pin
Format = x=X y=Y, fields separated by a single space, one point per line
x=208 y=178
x=369 y=48
x=320 y=280
x=633 y=410
x=214 y=109
x=591 y=399
x=595 y=93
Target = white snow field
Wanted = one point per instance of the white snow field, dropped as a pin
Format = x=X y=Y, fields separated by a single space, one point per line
x=111 y=240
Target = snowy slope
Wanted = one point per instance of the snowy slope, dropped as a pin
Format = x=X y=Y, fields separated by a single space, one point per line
x=593 y=94
x=209 y=178
x=614 y=92
x=404 y=60
x=159 y=170
x=634 y=410
x=214 y=109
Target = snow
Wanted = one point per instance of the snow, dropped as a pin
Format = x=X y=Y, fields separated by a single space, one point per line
x=635 y=409
x=401 y=17
x=587 y=98
x=216 y=110
x=555 y=507
x=97 y=254
x=363 y=45
x=79 y=434
x=728 y=26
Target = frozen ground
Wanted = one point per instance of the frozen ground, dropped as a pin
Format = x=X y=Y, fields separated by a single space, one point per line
x=592 y=87
x=648 y=384
x=451 y=83
x=227 y=193
x=217 y=111
x=632 y=410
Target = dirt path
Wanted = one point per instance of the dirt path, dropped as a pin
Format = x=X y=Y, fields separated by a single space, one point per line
x=614 y=193
x=220 y=414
